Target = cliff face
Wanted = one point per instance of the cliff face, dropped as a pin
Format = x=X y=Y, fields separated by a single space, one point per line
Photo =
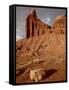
x=34 y=26
x=59 y=25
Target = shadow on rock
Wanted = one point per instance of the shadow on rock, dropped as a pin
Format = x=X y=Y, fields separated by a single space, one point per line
x=48 y=73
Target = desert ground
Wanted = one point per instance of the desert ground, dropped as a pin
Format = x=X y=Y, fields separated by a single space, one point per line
x=44 y=56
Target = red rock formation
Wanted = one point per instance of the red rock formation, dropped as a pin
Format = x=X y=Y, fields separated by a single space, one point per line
x=59 y=25
x=35 y=26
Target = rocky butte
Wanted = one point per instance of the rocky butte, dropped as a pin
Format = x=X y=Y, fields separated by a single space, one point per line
x=34 y=26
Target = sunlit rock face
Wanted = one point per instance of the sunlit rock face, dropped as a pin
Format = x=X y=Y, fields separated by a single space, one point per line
x=34 y=26
x=59 y=25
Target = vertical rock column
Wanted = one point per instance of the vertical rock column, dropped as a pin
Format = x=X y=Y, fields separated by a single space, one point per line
x=30 y=27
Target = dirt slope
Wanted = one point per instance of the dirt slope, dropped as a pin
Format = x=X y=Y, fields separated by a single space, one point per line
x=46 y=52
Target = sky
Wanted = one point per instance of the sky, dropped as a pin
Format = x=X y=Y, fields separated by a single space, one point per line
x=47 y=15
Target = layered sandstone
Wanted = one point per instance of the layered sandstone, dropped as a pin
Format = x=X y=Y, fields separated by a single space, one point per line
x=34 y=26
